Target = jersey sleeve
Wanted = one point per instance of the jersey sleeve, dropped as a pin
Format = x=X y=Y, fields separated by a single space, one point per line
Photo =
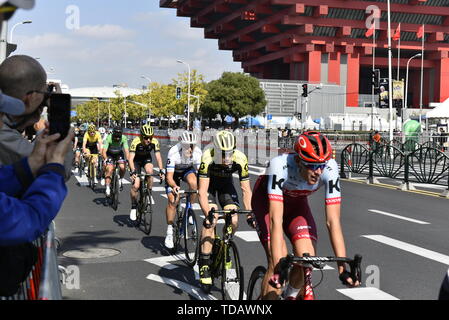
x=242 y=161
x=134 y=144
x=86 y=136
x=206 y=160
x=197 y=154
x=107 y=142
x=276 y=177
x=171 y=159
x=125 y=142
x=157 y=146
x=331 y=180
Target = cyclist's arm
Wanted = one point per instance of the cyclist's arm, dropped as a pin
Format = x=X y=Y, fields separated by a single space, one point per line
x=84 y=144
x=126 y=147
x=335 y=232
x=202 y=195
x=159 y=160
x=105 y=147
x=75 y=143
x=277 y=242
x=131 y=161
x=170 y=181
x=100 y=143
x=247 y=194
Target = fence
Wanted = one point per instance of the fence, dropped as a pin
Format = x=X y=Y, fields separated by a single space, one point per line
x=43 y=282
x=422 y=165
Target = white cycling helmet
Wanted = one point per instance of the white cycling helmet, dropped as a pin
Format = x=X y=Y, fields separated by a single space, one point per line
x=102 y=130
x=189 y=137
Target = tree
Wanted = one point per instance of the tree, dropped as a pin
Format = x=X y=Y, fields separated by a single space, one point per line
x=234 y=94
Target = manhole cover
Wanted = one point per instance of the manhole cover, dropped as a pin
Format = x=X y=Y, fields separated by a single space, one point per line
x=95 y=253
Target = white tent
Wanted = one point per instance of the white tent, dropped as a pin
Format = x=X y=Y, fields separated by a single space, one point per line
x=442 y=111
x=310 y=124
x=294 y=123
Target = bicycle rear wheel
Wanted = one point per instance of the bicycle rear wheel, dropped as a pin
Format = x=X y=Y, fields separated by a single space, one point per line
x=232 y=285
x=255 y=283
x=191 y=238
x=147 y=214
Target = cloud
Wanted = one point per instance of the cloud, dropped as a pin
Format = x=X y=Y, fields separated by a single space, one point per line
x=45 y=41
x=104 y=32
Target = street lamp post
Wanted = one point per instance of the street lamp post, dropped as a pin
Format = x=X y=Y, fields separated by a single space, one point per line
x=15 y=26
x=188 y=94
x=149 y=88
x=406 y=79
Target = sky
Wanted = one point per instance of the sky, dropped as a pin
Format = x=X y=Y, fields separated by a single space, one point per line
x=88 y=43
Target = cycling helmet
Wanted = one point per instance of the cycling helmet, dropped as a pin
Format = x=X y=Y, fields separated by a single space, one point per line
x=91 y=128
x=102 y=130
x=224 y=141
x=313 y=147
x=146 y=130
x=188 y=137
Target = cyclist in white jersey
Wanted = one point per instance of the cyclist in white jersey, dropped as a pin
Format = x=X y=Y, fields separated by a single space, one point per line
x=183 y=161
x=280 y=206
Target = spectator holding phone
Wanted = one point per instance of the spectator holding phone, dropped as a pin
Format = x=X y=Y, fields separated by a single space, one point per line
x=32 y=190
x=24 y=78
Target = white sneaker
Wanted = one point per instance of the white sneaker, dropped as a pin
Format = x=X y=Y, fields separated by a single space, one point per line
x=169 y=241
x=108 y=191
x=169 y=237
x=133 y=214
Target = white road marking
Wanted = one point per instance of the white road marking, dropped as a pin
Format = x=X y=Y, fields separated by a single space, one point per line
x=369 y=293
x=158 y=189
x=248 y=236
x=397 y=216
x=429 y=254
x=187 y=288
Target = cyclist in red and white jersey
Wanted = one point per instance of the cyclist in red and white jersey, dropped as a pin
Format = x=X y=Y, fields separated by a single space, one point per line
x=280 y=205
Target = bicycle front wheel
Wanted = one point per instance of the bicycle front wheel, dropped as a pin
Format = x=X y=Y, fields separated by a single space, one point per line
x=147 y=214
x=255 y=283
x=232 y=285
x=191 y=238
x=115 y=191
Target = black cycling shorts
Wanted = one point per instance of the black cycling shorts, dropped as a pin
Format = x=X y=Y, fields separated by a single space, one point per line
x=223 y=193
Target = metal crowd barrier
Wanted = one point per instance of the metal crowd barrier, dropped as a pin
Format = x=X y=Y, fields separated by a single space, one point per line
x=43 y=282
x=422 y=165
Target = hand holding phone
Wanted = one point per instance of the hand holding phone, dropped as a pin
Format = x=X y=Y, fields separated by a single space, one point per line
x=59 y=114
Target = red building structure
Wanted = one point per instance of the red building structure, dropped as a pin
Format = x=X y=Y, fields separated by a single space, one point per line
x=324 y=41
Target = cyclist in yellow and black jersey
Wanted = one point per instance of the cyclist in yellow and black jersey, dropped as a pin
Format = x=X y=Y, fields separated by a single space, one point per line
x=216 y=187
x=140 y=158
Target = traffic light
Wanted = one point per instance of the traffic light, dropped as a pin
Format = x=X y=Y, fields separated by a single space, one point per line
x=178 y=93
x=305 y=91
x=398 y=105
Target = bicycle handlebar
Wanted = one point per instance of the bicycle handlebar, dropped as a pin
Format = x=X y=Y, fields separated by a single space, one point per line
x=318 y=262
x=210 y=217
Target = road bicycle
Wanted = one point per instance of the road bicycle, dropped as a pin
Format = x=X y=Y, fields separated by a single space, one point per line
x=186 y=227
x=92 y=172
x=306 y=261
x=115 y=185
x=144 y=205
x=225 y=259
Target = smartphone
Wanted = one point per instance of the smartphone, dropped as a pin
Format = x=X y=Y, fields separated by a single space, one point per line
x=59 y=114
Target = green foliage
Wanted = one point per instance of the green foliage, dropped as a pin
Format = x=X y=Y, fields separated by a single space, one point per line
x=234 y=94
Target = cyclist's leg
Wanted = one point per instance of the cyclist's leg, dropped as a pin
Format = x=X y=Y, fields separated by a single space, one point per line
x=135 y=186
x=260 y=206
x=109 y=168
x=77 y=158
x=228 y=198
x=191 y=179
x=148 y=166
x=207 y=240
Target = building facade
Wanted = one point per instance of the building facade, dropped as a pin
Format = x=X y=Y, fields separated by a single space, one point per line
x=317 y=41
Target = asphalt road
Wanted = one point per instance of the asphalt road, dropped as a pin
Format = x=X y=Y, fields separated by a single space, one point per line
x=402 y=237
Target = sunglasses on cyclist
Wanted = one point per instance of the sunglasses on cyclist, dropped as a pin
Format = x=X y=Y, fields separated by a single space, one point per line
x=314 y=167
x=146 y=137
